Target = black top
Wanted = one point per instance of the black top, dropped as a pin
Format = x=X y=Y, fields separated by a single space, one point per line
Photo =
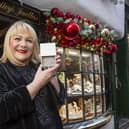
x=17 y=110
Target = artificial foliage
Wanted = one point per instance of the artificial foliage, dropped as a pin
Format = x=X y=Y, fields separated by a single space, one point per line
x=73 y=31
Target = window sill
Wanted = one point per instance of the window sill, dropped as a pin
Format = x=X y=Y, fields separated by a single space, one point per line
x=94 y=123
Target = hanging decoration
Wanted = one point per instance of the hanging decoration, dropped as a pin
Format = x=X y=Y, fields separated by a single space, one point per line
x=73 y=31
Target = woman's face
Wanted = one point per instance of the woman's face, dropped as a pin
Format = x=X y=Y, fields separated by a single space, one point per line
x=21 y=46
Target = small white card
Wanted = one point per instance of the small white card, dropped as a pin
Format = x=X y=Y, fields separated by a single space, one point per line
x=48 y=53
x=47 y=49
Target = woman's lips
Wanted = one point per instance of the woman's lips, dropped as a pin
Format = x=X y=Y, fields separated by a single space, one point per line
x=22 y=51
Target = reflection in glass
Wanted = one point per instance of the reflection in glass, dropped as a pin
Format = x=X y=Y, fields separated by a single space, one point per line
x=89 y=107
x=99 y=104
x=88 y=83
x=98 y=83
x=72 y=60
x=74 y=109
x=87 y=65
x=103 y=81
x=96 y=64
x=61 y=51
x=104 y=99
x=74 y=84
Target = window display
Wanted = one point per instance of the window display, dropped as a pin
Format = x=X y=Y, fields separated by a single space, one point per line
x=83 y=74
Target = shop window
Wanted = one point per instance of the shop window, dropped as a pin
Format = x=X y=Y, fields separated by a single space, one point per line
x=87 y=83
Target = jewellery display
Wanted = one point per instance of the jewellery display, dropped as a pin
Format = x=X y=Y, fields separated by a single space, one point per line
x=85 y=88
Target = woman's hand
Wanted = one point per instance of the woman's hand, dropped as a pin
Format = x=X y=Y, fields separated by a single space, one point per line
x=43 y=76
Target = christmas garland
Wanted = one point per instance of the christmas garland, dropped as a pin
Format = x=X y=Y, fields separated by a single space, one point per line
x=73 y=31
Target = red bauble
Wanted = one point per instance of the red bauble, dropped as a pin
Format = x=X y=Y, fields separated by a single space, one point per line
x=71 y=30
x=68 y=63
x=112 y=48
x=54 y=12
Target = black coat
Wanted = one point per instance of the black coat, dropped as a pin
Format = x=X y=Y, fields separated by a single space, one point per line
x=17 y=110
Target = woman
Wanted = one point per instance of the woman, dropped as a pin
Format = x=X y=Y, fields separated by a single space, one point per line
x=29 y=95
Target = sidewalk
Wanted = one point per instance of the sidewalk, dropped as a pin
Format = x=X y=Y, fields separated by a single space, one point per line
x=124 y=123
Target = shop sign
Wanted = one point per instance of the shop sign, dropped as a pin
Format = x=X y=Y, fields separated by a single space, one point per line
x=3 y=31
x=18 y=11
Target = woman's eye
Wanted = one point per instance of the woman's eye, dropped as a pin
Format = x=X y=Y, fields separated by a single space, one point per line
x=30 y=41
x=17 y=39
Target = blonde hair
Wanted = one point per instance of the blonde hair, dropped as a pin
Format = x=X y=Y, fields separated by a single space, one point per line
x=16 y=27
